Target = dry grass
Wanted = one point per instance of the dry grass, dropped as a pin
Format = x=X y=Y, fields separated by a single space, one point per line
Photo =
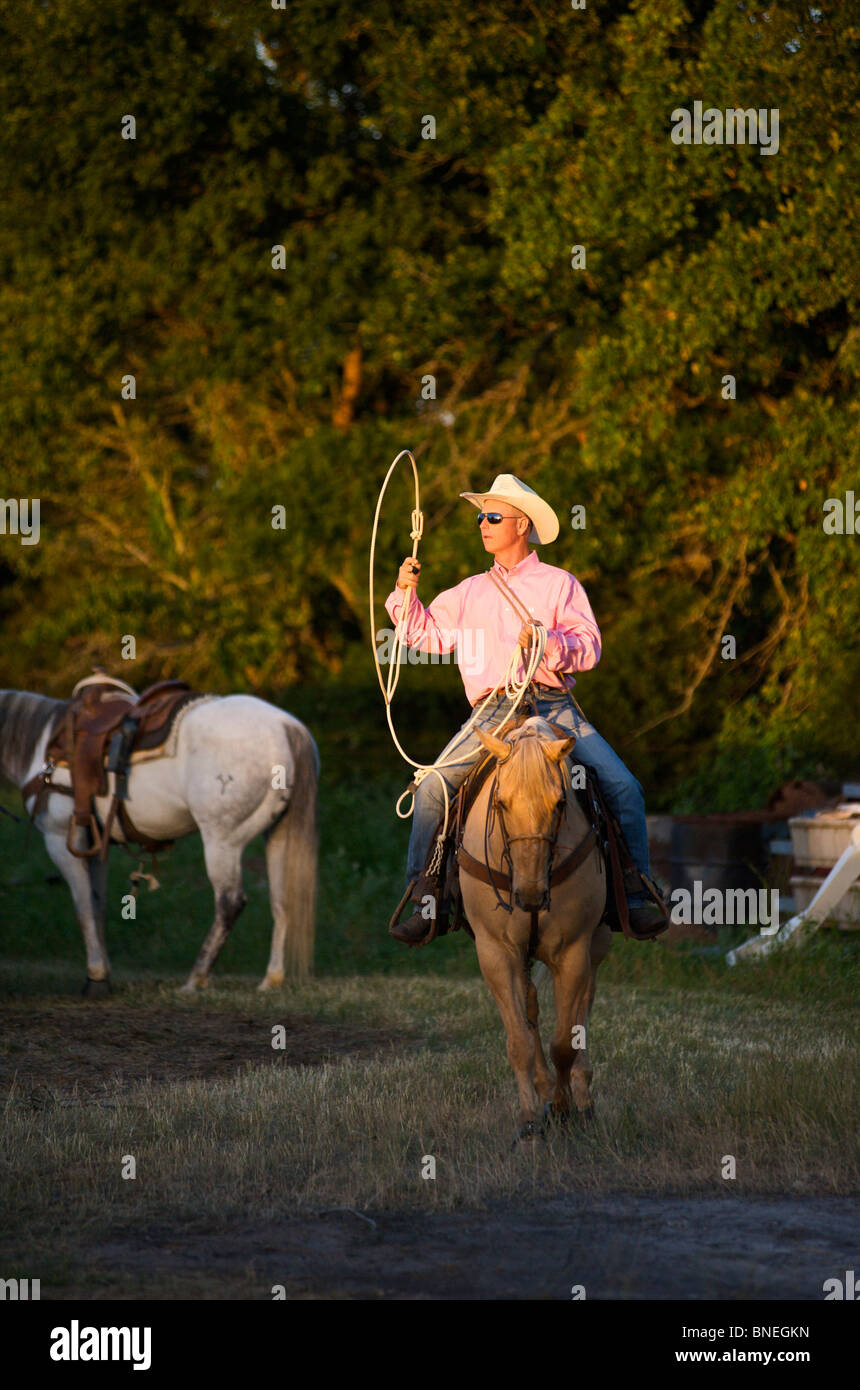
x=679 y=1082
x=391 y=1055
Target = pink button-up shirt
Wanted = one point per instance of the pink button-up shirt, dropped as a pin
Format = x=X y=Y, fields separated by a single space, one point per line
x=483 y=627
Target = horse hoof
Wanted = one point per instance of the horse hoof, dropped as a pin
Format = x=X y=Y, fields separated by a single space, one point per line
x=552 y=1116
x=527 y=1132
x=270 y=982
x=568 y=1117
x=96 y=989
x=192 y=986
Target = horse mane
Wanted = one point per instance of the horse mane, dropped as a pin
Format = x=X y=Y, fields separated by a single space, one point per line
x=536 y=778
x=24 y=717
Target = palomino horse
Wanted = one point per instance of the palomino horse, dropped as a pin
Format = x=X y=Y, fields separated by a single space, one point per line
x=239 y=768
x=528 y=814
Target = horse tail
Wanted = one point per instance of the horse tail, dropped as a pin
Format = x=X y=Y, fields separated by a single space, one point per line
x=299 y=828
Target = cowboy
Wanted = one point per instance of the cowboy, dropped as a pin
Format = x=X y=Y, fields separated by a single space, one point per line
x=512 y=518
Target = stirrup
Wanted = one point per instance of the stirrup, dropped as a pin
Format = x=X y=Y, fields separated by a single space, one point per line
x=95 y=832
x=395 y=919
x=435 y=921
x=653 y=891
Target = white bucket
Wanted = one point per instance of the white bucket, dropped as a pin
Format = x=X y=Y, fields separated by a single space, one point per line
x=818 y=841
x=846 y=914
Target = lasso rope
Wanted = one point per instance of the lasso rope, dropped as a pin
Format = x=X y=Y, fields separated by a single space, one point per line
x=515 y=685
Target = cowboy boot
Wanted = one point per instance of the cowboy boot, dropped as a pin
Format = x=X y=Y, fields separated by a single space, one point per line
x=415 y=930
x=426 y=921
x=646 y=919
x=644 y=913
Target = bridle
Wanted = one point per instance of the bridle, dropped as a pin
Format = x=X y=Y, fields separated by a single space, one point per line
x=508 y=840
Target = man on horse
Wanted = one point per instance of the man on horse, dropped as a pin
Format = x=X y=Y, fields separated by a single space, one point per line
x=501 y=604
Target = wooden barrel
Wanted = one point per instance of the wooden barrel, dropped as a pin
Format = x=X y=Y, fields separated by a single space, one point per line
x=720 y=851
x=660 y=846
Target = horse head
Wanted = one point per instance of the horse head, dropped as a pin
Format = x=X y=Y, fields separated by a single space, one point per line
x=529 y=799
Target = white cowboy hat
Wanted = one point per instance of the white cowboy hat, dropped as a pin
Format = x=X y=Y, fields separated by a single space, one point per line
x=507 y=488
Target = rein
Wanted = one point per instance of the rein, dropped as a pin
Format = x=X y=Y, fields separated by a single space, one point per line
x=498 y=879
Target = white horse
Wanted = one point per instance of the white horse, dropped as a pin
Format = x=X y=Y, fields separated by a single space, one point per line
x=224 y=779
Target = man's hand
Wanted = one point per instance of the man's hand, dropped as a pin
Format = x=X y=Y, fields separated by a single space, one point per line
x=409 y=573
x=527 y=636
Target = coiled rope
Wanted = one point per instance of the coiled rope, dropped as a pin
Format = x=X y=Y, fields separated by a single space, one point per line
x=517 y=680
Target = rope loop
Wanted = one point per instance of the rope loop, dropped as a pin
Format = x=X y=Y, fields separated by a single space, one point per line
x=519 y=674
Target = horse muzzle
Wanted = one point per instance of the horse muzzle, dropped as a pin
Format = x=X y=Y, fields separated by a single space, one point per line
x=532 y=897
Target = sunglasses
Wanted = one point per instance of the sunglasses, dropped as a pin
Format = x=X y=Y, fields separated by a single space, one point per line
x=494 y=518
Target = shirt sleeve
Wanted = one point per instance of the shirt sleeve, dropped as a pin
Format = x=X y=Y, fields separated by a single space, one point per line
x=574 y=643
x=432 y=629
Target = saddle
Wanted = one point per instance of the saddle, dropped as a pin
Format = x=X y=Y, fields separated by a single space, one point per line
x=103 y=726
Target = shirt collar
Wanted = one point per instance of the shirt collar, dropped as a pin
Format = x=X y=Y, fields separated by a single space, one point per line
x=527 y=564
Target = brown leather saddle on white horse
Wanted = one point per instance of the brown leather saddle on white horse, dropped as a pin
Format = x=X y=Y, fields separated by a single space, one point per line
x=101 y=729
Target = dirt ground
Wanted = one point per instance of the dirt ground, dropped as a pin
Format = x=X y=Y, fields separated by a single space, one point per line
x=617 y=1247
x=59 y=1049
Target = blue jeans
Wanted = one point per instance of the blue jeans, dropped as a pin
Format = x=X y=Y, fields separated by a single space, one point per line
x=619 y=786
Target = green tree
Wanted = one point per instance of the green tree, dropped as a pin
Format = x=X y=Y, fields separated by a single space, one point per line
x=407 y=258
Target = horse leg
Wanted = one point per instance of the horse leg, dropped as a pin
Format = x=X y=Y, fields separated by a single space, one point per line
x=89 y=911
x=98 y=874
x=543 y=1080
x=581 y=1072
x=224 y=867
x=574 y=989
x=505 y=975
x=276 y=848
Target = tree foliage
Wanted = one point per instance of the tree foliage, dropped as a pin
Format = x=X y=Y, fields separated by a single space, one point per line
x=449 y=257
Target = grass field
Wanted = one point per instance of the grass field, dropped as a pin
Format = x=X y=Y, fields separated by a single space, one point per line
x=390 y=1056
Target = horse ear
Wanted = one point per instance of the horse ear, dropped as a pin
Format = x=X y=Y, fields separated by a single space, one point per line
x=558 y=748
x=494 y=745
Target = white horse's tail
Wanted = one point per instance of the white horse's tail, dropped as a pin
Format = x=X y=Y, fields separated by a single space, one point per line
x=298 y=831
